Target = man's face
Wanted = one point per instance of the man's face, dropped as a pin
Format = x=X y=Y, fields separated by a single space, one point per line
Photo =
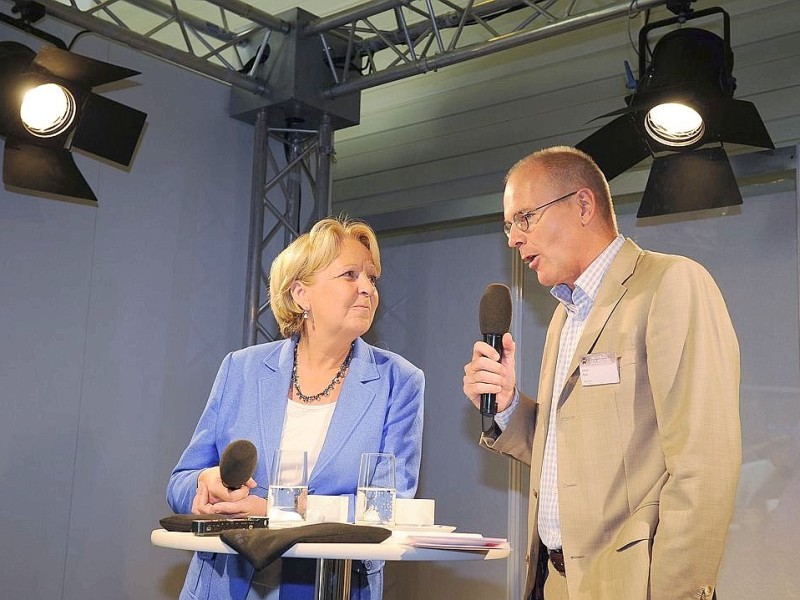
x=551 y=245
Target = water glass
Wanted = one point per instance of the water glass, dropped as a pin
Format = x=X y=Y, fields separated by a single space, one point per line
x=288 y=486
x=377 y=489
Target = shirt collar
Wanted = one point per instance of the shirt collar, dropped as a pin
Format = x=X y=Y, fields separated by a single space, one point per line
x=580 y=300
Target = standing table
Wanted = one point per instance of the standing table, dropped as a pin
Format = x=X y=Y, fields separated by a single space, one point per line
x=333 y=560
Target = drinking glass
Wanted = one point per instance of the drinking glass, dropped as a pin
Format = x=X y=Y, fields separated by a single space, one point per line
x=288 y=485
x=377 y=490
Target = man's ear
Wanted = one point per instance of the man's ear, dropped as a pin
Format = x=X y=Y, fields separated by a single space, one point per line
x=588 y=205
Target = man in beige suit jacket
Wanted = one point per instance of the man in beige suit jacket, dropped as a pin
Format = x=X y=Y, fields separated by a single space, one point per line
x=645 y=439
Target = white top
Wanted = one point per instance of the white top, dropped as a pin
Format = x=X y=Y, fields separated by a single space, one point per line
x=305 y=427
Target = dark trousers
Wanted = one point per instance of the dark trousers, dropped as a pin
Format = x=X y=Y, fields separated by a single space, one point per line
x=541 y=573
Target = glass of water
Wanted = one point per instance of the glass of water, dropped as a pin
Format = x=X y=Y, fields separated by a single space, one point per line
x=377 y=490
x=288 y=486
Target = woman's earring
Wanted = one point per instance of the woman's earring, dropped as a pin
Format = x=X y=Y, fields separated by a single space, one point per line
x=305 y=315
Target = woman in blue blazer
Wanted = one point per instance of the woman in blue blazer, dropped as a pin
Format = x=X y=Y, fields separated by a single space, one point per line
x=322 y=389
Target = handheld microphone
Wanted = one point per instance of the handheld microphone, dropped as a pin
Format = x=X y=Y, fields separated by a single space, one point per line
x=495 y=319
x=238 y=463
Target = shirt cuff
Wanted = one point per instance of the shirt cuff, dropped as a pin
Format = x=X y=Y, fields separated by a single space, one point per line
x=502 y=418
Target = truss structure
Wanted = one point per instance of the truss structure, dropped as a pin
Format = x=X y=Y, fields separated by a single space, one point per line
x=386 y=40
x=292 y=188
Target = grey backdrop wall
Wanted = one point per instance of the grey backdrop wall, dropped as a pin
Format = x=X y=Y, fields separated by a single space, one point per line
x=428 y=313
x=114 y=320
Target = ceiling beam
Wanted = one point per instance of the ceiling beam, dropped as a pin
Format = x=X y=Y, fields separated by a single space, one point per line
x=496 y=44
x=416 y=41
x=148 y=45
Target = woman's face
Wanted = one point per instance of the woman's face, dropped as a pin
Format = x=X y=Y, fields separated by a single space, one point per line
x=342 y=298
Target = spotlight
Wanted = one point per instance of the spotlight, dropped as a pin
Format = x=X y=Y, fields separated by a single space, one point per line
x=681 y=113
x=47 y=108
x=674 y=124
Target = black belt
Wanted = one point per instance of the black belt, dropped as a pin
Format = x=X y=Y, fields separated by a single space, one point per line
x=557 y=559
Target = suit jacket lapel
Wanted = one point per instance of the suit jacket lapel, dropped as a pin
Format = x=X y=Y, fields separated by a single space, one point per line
x=273 y=390
x=355 y=398
x=611 y=291
x=549 y=359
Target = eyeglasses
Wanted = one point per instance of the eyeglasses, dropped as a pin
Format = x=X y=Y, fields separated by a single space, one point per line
x=524 y=220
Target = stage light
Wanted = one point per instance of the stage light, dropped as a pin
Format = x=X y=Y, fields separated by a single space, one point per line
x=47 y=108
x=674 y=124
x=681 y=114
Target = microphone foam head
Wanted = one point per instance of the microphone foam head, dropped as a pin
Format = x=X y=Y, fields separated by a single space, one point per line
x=495 y=310
x=238 y=463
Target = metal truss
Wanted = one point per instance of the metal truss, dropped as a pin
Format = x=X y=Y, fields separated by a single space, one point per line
x=293 y=186
x=386 y=40
x=415 y=37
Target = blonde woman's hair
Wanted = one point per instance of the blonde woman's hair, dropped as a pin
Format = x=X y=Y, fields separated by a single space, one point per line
x=308 y=255
x=578 y=170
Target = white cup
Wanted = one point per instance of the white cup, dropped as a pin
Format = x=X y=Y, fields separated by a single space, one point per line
x=414 y=511
x=328 y=509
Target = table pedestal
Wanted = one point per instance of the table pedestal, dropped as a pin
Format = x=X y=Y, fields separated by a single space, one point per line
x=333 y=579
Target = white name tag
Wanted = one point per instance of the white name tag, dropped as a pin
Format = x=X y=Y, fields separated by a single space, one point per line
x=599 y=369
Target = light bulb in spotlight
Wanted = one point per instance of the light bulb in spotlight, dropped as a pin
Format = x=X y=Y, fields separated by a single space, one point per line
x=674 y=124
x=47 y=110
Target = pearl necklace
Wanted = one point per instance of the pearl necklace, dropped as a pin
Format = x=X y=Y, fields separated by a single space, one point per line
x=336 y=378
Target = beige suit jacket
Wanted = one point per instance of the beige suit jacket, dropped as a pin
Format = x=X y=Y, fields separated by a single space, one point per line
x=647 y=467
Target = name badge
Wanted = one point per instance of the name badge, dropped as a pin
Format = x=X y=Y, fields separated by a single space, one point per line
x=599 y=369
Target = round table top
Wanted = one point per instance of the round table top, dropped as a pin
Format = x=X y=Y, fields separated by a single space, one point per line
x=390 y=549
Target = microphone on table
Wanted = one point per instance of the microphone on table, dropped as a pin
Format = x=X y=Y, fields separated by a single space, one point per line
x=238 y=463
x=494 y=317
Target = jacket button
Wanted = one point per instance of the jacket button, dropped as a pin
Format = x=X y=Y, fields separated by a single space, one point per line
x=367 y=564
x=535 y=494
x=527 y=559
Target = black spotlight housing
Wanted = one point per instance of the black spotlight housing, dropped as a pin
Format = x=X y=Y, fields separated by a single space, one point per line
x=101 y=126
x=692 y=68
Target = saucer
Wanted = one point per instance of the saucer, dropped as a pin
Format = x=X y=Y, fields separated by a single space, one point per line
x=424 y=528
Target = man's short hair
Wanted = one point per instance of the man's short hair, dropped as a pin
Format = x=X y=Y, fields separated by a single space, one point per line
x=576 y=168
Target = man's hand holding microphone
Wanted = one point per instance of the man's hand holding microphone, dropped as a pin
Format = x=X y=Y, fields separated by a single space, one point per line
x=488 y=373
x=490 y=378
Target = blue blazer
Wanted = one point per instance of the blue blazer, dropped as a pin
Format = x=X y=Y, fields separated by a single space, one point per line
x=380 y=409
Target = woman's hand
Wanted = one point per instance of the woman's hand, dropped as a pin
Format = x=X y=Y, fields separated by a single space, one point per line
x=211 y=492
x=248 y=506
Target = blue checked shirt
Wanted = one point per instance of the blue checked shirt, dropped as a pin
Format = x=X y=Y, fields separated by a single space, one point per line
x=578 y=303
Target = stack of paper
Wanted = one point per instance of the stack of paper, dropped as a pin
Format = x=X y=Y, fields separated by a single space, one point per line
x=452 y=541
